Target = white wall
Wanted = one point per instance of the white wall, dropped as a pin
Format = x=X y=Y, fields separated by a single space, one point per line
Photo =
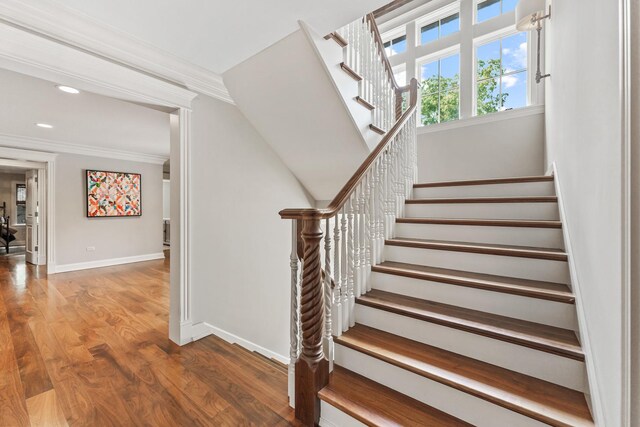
x=240 y=246
x=166 y=199
x=111 y=237
x=510 y=147
x=583 y=135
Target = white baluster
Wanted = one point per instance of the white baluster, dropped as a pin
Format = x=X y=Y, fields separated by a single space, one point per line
x=345 y=270
x=351 y=261
x=368 y=200
x=363 y=239
x=356 y=244
x=294 y=350
x=337 y=291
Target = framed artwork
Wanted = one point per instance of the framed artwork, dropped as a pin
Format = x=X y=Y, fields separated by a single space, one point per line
x=113 y=194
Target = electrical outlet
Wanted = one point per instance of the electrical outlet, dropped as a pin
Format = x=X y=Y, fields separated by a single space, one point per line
x=91 y=248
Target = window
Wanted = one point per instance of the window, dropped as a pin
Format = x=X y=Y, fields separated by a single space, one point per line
x=488 y=9
x=439 y=29
x=21 y=204
x=396 y=45
x=501 y=74
x=440 y=90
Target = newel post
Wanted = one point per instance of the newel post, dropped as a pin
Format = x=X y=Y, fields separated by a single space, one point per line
x=312 y=368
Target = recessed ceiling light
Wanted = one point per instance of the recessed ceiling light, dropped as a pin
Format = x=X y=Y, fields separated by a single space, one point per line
x=68 y=89
x=44 y=125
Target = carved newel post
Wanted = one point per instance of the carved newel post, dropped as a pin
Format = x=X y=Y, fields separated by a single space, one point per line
x=312 y=368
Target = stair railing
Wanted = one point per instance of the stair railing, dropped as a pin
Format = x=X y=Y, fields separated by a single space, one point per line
x=330 y=268
x=364 y=54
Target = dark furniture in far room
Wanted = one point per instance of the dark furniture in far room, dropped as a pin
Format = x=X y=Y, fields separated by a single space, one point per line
x=7 y=234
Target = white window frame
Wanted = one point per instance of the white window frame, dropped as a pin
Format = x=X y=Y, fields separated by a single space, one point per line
x=394 y=34
x=14 y=203
x=489 y=38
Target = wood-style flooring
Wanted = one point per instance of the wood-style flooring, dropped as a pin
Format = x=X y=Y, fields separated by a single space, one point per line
x=90 y=348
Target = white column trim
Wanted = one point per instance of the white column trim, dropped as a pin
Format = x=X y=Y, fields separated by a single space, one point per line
x=186 y=320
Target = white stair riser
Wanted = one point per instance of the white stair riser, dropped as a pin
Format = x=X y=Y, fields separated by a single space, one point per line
x=543 y=211
x=454 y=402
x=539 y=364
x=519 y=236
x=525 y=268
x=331 y=416
x=488 y=190
x=536 y=310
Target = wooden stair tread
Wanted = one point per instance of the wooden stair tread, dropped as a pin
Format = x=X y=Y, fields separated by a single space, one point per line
x=513 y=180
x=538 y=399
x=376 y=129
x=357 y=77
x=377 y=405
x=531 y=288
x=337 y=38
x=360 y=100
x=525 y=223
x=481 y=248
x=510 y=199
x=550 y=339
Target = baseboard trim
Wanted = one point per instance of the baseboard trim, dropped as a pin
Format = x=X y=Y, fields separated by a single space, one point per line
x=107 y=262
x=204 y=329
x=595 y=398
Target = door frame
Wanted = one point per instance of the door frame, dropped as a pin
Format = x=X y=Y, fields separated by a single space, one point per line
x=30 y=51
x=45 y=164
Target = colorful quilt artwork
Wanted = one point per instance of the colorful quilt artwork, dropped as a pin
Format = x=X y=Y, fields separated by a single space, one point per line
x=113 y=194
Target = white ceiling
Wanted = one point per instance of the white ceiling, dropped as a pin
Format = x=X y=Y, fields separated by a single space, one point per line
x=218 y=35
x=84 y=119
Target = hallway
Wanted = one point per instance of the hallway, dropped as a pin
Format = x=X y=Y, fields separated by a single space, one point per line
x=90 y=348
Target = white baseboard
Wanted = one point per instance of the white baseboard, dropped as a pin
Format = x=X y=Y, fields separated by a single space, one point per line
x=203 y=329
x=106 y=262
x=594 y=397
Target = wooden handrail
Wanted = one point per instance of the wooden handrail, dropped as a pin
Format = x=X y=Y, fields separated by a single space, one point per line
x=370 y=18
x=341 y=198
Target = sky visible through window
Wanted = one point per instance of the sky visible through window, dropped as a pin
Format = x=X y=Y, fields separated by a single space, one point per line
x=491 y=8
x=440 y=90
x=440 y=29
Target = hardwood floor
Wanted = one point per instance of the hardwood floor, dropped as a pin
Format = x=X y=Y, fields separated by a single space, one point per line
x=90 y=348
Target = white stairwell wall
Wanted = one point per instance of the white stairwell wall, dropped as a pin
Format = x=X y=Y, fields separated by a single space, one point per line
x=287 y=94
x=583 y=138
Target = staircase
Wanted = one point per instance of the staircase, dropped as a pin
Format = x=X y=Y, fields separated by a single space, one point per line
x=433 y=304
x=466 y=318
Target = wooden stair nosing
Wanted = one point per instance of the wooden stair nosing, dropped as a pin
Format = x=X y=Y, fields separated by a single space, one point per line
x=376 y=129
x=369 y=106
x=489 y=181
x=477 y=248
x=482 y=281
x=337 y=38
x=529 y=396
x=377 y=405
x=457 y=200
x=350 y=72
x=515 y=331
x=520 y=223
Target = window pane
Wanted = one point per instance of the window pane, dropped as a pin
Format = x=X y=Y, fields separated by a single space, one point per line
x=488 y=57
x=514 y=90
x=488 y=9
x=449 y=25
x=429 y=108
x=509 y=5
x=429 y=33
x=21 y=193
x=449 y=105
x=449 y=72
x=387 y=48
x=514 y=53
x=399 y=45
x=489 y=98
x=21 y=211
x=429 y=76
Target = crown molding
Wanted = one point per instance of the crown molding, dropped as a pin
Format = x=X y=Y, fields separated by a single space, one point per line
x=49 y=147
x=64 y=25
